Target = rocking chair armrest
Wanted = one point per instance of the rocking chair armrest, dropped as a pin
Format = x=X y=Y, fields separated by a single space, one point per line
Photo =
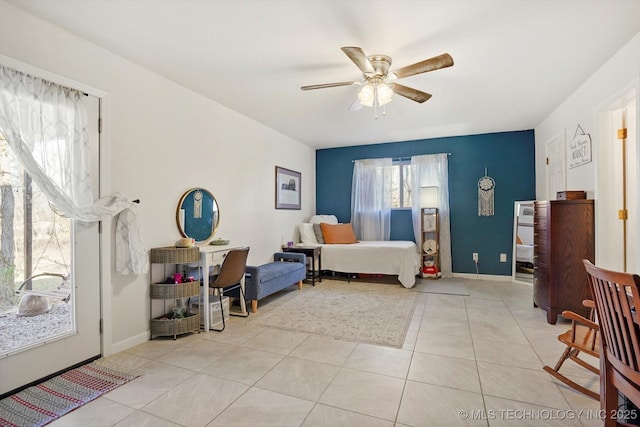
x=577 y=318
x=589 y=303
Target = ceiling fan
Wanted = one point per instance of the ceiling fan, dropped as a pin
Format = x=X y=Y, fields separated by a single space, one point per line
x=379 y=83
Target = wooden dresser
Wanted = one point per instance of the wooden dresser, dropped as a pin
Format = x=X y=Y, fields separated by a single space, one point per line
x=563 y=236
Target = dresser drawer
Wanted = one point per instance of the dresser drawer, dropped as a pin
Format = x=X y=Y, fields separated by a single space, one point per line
x=540 y=245
x=541 y=224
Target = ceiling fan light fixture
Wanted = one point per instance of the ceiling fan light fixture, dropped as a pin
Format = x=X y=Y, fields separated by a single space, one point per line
x=380 y=83
x=385 y=93
x=366 y=95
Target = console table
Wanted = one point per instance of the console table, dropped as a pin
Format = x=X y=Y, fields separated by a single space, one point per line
x=312 y=252
x=212 y=256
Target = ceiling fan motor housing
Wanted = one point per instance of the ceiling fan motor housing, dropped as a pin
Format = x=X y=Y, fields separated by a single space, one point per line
x=380 y=64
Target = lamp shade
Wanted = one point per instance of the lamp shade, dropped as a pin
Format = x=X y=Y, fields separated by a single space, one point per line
x=366 y=95
x=429 y=197
x=384 y=94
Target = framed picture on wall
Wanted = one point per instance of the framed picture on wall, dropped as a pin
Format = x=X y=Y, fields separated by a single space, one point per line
x=288 y=189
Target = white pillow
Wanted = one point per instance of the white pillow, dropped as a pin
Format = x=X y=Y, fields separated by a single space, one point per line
x=329 y=219
x=307 y=235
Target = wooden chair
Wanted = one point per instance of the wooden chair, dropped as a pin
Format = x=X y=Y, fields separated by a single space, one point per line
x=583 y=337
x=616 y=298
x=230 y=278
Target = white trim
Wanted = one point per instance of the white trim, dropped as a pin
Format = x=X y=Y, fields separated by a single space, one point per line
x=130 y=342
x=107 y=224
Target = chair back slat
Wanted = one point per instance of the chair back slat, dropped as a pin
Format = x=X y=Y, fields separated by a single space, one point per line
x=602 y=299
x=616 y=298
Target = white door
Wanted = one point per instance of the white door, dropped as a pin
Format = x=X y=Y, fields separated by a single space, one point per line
x=83 y=341
x=610 y=232
x=556 y=177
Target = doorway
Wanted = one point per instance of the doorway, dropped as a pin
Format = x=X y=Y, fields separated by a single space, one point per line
x=617 y=176
x=72 y=249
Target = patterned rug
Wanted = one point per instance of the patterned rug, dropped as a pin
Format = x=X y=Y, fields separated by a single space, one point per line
x=372 y=313
x=51 y=399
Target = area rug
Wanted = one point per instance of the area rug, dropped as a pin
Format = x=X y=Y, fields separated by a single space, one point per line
x=51 y=399
x=372 y=313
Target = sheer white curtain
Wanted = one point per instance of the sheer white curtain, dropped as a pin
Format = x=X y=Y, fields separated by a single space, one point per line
x=371 y=199
x=45 y=125
x=433 y=170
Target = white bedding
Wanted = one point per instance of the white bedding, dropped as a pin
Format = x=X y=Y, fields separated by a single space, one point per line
x=524 y=253
x=374 y=257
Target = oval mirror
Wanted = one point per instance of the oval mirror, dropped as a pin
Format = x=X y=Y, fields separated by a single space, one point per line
x=198 y=214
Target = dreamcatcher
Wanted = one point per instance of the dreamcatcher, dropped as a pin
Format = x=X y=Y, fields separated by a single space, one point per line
x=486 y=184
x=197 y=204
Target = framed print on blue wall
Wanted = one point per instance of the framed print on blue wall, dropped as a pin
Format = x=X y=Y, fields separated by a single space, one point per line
x=288 y=189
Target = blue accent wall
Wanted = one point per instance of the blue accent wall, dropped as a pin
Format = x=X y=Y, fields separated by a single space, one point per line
x=510 y=160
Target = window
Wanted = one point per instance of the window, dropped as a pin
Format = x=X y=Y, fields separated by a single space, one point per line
x=401 y=185
x=36 y=242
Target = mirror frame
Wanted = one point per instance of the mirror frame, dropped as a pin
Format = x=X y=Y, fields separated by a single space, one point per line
x=516 y=212
x=205 y=220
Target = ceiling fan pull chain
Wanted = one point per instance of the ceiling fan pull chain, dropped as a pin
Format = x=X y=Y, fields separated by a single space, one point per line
x=375 y=100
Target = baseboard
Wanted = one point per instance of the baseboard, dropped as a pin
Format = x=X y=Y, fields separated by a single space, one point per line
x=474 y=276
x=129 y=342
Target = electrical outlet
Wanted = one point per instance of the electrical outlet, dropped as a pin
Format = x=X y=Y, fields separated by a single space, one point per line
x=475 y=257
x=503 y=257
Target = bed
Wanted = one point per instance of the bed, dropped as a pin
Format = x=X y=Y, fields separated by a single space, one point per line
x=393 y=257
x=374 y=257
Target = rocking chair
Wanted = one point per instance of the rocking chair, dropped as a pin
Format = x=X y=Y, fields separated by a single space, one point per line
x=583 y=337
x=617 y=301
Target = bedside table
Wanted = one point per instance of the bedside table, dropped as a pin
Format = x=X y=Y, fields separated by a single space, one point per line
x=312 y=252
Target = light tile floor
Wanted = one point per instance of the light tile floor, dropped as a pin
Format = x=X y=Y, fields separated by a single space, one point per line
x=467 y=360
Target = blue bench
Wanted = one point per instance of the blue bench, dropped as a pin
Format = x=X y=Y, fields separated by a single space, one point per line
x=286 y=270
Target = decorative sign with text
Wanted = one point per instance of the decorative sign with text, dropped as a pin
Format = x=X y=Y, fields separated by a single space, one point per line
x=579 y=149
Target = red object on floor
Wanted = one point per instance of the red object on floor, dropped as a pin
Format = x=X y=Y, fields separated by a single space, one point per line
x=430 y=270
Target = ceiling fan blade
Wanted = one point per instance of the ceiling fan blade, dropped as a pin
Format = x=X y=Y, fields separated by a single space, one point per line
x=325 y=85
x=355 y=106
x=359 y=58
x=441 y=61
x=407 y=92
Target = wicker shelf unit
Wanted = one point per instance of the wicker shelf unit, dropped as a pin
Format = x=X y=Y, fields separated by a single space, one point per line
x=165 y=325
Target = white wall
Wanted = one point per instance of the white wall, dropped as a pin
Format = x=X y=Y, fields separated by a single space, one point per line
x=590 y=107
x=161 y=140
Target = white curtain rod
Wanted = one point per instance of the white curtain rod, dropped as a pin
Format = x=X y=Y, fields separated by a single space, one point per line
x=400 y=159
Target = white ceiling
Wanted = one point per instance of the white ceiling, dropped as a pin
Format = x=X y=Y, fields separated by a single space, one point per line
x=515 y=60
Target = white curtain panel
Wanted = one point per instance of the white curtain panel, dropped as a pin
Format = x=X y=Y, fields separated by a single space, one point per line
x=433 y=170
x=45 y=126
x=371 y=199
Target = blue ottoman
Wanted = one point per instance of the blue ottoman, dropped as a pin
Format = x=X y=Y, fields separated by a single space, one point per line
x=263 y=280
